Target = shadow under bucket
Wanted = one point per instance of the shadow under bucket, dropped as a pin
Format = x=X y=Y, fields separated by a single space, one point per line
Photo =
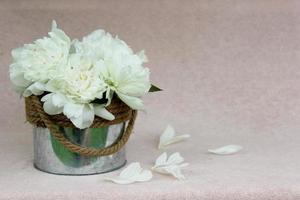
x=53 y=157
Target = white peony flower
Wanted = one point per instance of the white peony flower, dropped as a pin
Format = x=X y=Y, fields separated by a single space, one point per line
x=76 y=73
x=130 y=83
x=73 y=91
x=80 y=81
x=121 y=69
x=39 y=62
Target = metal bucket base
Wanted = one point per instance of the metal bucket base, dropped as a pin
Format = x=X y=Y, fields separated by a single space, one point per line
x=36 y=167
x=52 y=158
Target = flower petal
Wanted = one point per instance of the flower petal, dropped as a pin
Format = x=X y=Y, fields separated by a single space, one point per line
x=81 y=115
x=171 y=165
x=175 y=171
x=131 y=170
x=178 y=138
x=133 y=173
x=226 y=150
x=100 y=111
x=46 y=97
x=142 y=56
x=133 y=102
x=168 y=137
x=58 y=33
x=161 y=160
x=145 y=175
x=73 y=110
x=49 y=106
x=59 y=100
x=36 y=88
x=119 y=180
x=17 y=76
x=175 y=158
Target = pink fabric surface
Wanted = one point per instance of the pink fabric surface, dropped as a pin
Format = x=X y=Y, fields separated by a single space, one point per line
x=230 y=74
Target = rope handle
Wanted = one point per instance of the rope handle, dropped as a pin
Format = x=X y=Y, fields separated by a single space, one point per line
x=81 y=150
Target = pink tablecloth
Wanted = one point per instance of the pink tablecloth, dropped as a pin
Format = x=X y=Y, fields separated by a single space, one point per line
x=230 y=71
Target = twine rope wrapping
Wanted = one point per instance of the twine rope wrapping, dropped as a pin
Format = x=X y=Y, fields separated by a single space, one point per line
x=36 y=115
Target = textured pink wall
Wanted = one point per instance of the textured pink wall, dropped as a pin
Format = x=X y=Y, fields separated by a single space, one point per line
x=230 y=74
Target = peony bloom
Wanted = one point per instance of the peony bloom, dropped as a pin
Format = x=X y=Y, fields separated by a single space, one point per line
x=130 y=83
x=35 y=64
x=72 y=92
x=80 y=81
x=76 y=74
x=121 y=69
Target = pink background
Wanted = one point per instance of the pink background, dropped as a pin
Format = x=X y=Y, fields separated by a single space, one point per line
x=230 y=73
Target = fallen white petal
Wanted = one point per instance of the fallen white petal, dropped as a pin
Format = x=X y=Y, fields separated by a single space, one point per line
x=175 y=159
x=174 y=170
x=226 y=150
x=170 y=166
x=161 y=160
x=168 y=137
x=133 y=173
x=131 y=170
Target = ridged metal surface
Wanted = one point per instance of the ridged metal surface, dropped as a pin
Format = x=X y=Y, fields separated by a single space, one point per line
x=49 y=159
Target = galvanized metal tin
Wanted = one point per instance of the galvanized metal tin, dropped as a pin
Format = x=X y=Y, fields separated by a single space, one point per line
x=52 y=157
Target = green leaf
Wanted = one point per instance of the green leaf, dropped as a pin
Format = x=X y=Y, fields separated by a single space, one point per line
x=67 y=157
x=98 y=137
x=154 y=88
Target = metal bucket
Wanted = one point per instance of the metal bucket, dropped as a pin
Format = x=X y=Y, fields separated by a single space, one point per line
x=52 y=157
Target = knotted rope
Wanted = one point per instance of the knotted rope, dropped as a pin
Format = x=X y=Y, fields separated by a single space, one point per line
x=36 y=115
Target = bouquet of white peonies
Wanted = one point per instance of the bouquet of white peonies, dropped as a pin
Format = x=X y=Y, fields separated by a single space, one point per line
x=80 y=78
